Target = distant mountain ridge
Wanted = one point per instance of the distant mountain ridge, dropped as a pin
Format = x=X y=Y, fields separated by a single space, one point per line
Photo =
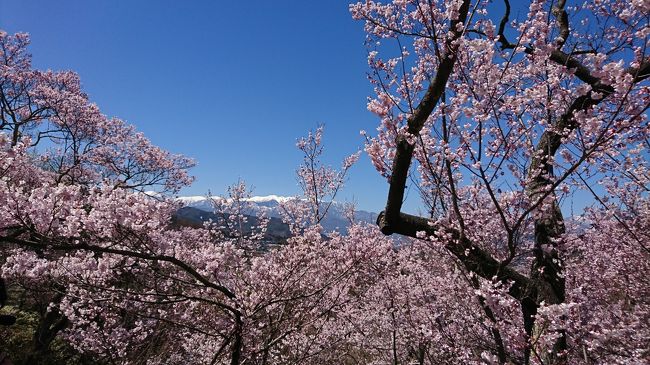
x=277 y=231
x=335 y=220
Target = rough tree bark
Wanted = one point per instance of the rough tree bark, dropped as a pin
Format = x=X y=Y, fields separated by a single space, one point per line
x=51 y=322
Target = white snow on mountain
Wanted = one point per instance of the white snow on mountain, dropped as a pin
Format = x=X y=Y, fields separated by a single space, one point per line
x=200 y=199
x=268 y=198
x=204 y=203
x=335 y=219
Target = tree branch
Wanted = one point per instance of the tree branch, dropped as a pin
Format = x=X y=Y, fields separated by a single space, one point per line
x=473 y=258
x=141 y=255
x=404 y=150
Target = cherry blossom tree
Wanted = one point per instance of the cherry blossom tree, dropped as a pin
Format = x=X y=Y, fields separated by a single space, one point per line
x=319 y=183
x=48 y=109
x=61 y=161
x=127 y=287
x=107 y=270
x=498 y=121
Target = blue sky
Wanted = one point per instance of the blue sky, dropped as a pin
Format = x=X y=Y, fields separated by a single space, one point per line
x=230 y=83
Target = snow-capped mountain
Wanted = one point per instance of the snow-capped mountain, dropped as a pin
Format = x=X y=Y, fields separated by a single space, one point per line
x=334 y=220
x=203 y=202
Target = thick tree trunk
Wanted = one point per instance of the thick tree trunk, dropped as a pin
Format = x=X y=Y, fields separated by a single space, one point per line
x=546 y=274
x=238 y=342
x=49 y=326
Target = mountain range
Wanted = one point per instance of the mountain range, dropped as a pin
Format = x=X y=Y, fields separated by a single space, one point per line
x=198 y=209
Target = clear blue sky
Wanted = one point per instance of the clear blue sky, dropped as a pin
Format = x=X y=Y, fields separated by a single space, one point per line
x=231 y=84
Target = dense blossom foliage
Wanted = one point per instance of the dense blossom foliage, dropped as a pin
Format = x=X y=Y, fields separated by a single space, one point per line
x=500 y=123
